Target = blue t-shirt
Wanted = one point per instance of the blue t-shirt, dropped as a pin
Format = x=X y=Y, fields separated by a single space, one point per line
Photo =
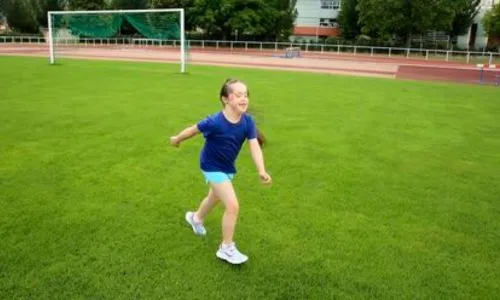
x=223 y=141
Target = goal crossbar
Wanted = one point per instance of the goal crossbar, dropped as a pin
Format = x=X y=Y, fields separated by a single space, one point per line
x=121 y=11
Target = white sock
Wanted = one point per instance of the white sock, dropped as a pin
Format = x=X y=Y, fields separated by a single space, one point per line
x=227 y=246
x=195 y=219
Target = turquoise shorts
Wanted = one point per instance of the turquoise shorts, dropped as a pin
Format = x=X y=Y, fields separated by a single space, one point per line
x=217 y=177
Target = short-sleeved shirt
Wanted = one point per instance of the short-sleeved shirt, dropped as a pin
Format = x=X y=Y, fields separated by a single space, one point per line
x=223 y=141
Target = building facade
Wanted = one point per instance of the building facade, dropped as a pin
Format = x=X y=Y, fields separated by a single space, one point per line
x=476 y=37
x=317 y=18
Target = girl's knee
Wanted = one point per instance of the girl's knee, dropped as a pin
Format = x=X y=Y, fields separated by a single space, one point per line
x=211 y=195
x=232 y=207
x=225 y=192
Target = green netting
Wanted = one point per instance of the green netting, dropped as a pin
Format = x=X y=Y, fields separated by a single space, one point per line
x=156 y=26
x=95 y=25
x=163 y=26
x=101 y=26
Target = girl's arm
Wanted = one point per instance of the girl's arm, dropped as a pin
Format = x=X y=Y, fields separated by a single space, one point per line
x=258 y=159
x=184 y=135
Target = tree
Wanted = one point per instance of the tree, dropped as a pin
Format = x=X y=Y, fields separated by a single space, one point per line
x=465 y=12
x=349 y=19
x=259 y=19
x=186 y=4
x=49 y=5
x=2 y=7
x=285 y=19
x=403 y=18
x=251 y=18
x=171 y=3
x=491 y=21
x=87 y=4
x=212 y=16
x=129 y=4
x=22 y=16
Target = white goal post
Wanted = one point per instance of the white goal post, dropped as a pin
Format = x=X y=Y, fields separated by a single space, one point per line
x=50 y=14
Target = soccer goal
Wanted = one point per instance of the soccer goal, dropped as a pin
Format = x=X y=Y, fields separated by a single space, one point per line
x=124 y=34
x=292 y=52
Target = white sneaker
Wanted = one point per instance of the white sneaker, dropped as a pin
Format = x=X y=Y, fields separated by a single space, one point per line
x=198 y=228
x=230 y=254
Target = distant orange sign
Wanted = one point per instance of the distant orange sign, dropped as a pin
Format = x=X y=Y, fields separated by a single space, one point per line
x=313 y=31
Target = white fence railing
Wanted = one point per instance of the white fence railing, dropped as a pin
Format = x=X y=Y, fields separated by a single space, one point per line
x=309 y=49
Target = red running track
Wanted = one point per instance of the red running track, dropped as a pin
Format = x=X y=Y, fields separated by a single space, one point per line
x=412 y=68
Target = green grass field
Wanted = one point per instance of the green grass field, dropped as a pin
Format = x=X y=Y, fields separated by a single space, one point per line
x=382 y=188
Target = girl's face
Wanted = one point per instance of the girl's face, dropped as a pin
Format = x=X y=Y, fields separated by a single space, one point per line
x=237 y=99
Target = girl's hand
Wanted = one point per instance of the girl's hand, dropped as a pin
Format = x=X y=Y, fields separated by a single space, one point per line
x=265 y=178
x=174 y=141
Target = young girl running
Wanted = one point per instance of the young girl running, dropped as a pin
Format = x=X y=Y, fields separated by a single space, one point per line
x=224 y=133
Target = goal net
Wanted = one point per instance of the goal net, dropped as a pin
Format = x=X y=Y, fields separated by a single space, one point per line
x=126 y=34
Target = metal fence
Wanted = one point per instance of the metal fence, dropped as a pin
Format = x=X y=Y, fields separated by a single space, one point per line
x=265 y=48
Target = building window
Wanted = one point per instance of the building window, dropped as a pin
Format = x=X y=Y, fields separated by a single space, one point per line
x=329 y=23
x=330 y=4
